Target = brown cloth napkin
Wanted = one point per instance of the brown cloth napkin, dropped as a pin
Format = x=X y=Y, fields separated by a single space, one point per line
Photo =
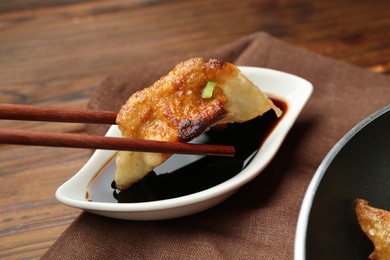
x=259 y=221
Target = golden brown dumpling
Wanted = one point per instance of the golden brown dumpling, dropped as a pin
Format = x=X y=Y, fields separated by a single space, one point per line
x=375 y=223
x=174 y=109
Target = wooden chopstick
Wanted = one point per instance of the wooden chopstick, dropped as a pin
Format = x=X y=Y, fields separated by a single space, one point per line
x=36 y=138
x=54 y=114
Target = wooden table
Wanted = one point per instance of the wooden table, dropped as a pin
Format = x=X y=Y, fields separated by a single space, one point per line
x=55 y=53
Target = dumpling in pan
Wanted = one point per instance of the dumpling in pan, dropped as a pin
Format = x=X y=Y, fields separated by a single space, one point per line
x=375 y=223
x=191 y=98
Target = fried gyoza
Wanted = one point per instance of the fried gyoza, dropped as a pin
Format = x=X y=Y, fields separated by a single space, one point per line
x=173 y=109
x=375 y=223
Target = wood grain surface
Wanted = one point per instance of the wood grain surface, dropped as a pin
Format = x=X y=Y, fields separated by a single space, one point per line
x=54 y=53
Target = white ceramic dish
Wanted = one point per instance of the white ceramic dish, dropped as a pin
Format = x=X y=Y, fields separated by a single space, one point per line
x=293 y=90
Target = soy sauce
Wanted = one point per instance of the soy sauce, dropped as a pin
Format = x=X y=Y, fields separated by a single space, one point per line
x=204 y=172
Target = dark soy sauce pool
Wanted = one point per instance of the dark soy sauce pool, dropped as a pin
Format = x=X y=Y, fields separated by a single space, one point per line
x=186 y=174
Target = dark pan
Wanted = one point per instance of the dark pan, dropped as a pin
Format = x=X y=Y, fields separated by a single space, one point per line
x=358 y=166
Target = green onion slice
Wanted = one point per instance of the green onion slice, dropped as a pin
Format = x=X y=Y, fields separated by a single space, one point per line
x=207 y=92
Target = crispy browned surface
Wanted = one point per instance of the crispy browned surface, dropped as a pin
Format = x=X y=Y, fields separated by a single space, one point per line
x=172 y=109
x=375 y=223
